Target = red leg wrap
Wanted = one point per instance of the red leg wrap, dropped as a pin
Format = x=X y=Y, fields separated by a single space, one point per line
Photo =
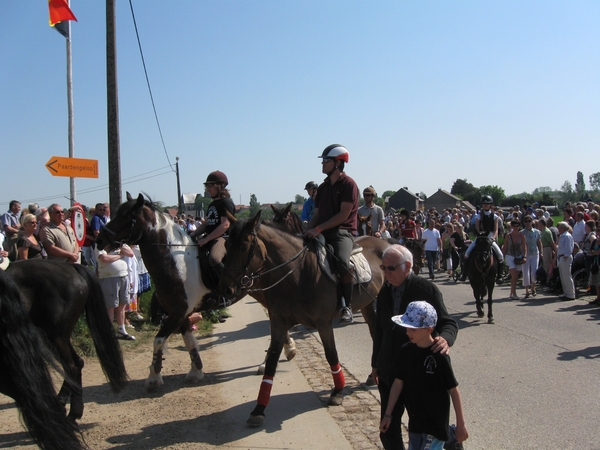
x=338 y=376
x=265 y=391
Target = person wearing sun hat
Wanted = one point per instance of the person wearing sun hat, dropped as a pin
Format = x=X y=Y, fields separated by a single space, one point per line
x=427 y=382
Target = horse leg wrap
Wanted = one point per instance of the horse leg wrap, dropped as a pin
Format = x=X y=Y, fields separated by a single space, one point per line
x=338 y=376
x=265 y=391
x=195 y=355
x=157 y=361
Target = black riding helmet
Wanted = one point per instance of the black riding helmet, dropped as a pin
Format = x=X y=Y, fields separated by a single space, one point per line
x=487 y=199
x=311 y=185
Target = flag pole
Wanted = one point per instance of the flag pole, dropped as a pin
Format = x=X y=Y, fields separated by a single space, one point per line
x=71 y=131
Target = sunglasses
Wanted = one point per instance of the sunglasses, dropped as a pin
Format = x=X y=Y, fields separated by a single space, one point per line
x=32 y=223
x=368 y=195
x=391 y=268
x=58 y=212
x=326 y=160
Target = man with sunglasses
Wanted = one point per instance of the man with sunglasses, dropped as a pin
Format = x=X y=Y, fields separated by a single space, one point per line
x=58 y=238
x=335 y=216
x=402 y=287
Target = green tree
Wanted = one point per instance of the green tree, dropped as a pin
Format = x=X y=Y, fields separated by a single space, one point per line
x=201 y=203
x=595 y=181
x=580 y=185
x=254 y=205
x=299 y=200
x=463 y=189
x=496 y=192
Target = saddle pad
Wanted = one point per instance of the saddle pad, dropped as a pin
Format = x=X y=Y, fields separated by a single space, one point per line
x=362 y=269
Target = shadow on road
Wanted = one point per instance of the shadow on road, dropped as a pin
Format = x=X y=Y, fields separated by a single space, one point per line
x=222 y=428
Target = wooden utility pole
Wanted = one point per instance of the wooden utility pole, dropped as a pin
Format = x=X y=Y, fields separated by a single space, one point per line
x=112 y=106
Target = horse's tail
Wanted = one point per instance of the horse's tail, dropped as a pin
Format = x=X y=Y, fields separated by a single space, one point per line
x=103 y=334
x=24 y=359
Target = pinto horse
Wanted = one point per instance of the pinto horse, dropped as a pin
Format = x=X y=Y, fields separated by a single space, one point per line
x=55 y=294
x=482 y=274
x=365 y=227
x=171 y=258
x=25 y=358
x=278 y=269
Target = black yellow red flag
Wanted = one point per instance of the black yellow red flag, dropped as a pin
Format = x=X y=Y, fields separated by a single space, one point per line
x=59 y=14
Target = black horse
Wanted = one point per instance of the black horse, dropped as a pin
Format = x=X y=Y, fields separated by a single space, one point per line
x=55 y=294
x=482 y=274
x=25 y=359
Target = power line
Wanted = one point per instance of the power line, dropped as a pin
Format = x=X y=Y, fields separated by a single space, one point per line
x=148 y=83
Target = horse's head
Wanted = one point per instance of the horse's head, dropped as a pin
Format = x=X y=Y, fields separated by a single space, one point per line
x=245 y=256
x=125 y=226
x=365 y=227
x=280 y=215
x=483 y=249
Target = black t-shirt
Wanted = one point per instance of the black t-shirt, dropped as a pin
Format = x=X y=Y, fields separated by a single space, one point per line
x=427 y=378
x=217 y=209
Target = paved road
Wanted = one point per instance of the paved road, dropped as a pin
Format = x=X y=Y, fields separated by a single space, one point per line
x=532 y=380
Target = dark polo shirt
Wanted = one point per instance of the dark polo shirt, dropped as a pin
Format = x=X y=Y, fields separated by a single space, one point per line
x=330 y=198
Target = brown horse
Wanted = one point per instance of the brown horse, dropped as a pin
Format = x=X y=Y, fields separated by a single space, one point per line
x=287 y=218
x=280 y=271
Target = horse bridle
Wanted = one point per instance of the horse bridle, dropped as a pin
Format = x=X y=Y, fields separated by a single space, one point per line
x=128 y=239
x=247 y=281
x=487 y=254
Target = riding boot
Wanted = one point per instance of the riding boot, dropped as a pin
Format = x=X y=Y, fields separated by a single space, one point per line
x=465 y=268
x=347 y=288
x=213 y=300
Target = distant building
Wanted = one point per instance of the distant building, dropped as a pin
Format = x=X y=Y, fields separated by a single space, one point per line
x=404 y=199
x=443 y=199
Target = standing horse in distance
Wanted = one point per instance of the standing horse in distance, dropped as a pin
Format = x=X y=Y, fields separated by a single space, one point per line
x=56 y=294
x=25 y=359
x=286 y=277
x=171 y=258
x=482 y=274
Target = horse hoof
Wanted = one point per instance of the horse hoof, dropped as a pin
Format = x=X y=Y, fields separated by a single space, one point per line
x=261 y=370
x=255 y=421
x=194 y=376
x=290 y=355
x=491 y=320
x=480 y=314
x=154 y=384
x=370 y=381
x=335 y=399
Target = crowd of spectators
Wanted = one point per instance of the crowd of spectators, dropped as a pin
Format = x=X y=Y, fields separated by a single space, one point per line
x=553 y=247
x=36 y=232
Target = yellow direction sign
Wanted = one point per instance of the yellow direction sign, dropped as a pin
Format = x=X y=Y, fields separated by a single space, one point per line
x=61 y=166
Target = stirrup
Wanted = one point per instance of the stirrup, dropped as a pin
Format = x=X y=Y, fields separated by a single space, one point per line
x=346 y=315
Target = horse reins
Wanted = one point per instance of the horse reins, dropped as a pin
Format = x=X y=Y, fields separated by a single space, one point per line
x=248 y=280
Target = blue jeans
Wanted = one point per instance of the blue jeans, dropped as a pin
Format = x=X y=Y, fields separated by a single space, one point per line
x=431 y=259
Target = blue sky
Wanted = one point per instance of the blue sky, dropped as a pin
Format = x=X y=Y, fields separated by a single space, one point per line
x=421 y=93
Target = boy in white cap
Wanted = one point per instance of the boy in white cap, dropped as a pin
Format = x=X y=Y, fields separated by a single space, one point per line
x=427 y=381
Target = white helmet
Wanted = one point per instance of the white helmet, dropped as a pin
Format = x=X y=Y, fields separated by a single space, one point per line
x=336 y=152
